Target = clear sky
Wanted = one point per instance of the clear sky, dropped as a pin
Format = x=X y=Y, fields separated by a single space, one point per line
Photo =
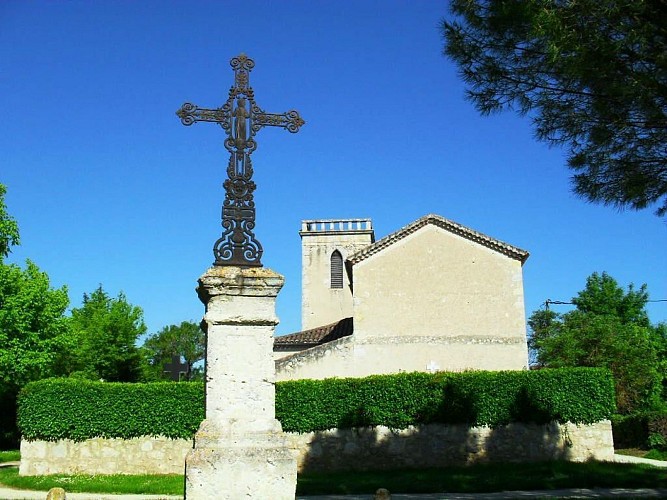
x=108 y=187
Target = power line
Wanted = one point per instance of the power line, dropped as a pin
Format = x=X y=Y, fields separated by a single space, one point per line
x=548 y=302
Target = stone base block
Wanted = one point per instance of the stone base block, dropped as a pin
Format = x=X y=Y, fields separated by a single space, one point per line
x=232 y=467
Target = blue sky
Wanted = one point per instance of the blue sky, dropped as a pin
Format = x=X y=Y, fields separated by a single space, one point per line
x=108 y=187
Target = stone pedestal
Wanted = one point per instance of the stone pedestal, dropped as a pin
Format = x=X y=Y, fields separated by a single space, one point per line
x=240 y=450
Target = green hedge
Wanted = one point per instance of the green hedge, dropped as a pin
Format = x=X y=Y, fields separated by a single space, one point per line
x=55 y=409
x=579 y=395
x=61 y=408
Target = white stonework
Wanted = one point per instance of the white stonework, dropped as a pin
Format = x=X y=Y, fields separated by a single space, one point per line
x=320 y=303
x=142 y=455
x=240 y=450
x=370 y=448
x=377 y=448
x=434 y=295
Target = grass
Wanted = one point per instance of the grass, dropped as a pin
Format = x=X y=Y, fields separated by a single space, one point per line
x=633 y=452
x=488 y=478
x=657 y=454
x=10 y=456
x=472 y=479
x=654 y=453
x=171 y=484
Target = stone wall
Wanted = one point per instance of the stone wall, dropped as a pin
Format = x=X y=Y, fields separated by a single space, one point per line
x=433 y=283
x=361 y=357
x=144 y=455
x=333 y=359
x=356 y=449
x=439 y=445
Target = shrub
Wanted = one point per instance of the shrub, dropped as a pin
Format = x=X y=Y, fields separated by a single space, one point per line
x=640 y=430
x=578 y=395
x=55 y=409
x=78 y=409
x=657 y=431
x=9 y=434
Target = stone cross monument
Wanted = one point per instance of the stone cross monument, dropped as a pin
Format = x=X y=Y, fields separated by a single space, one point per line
x=240 y=450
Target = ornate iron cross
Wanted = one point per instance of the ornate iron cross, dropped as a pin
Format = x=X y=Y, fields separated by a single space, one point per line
x=241 y=119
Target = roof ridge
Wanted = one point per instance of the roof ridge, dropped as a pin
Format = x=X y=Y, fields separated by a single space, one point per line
x=448 y=225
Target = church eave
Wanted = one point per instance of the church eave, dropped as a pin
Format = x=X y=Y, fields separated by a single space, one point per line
x=315 y=336
x=448 y=225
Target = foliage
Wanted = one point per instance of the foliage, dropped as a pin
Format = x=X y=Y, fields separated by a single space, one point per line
x=655 y=454
x=106 y=331
x=9 y=434
x=186 y=340
x=33 y=329
x=603 y=297
x=9 y=229
x=473 y=398
x=640 y=430
x=657 y=431
x=610 y=328
x=80 y=409
x=592 y=76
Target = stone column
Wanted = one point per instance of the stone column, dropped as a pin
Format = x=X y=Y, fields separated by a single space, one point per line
x=240 y=450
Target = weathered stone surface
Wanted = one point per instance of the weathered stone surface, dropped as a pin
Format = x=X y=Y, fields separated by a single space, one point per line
x=350 y=449
x=440 y=445
x=56 y=494
x=240 y=373
x=382 y=494
x=145 y=455
x=240 y=450
x=360 y=357
x=320 y=303
x=230 y=466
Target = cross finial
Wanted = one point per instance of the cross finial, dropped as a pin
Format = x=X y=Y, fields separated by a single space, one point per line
x=241 y=119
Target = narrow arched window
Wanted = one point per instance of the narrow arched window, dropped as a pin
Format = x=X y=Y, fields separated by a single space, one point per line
x=336 y=270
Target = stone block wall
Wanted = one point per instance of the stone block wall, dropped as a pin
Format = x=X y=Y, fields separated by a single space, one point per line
x=144 y=455
x=351 y=449
x=439 y=445
x=354 y=357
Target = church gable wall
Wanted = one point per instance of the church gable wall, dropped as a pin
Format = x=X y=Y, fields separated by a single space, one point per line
x=433 y=287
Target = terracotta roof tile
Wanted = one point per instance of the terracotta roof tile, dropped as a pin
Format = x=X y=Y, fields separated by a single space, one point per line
x=315 y=336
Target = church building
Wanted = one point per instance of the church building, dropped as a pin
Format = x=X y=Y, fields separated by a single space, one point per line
x=434 y=295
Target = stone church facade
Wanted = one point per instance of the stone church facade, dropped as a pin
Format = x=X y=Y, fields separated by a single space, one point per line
x=434 y=295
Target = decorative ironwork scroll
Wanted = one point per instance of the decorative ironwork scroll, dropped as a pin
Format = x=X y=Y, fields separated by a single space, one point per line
x=241 y=119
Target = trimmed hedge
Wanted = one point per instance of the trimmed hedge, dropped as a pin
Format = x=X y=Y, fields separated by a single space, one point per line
x=578 y=395
x=64 y=408
x=55 y=409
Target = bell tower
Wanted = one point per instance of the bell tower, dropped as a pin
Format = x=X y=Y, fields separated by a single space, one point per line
x=326 y=284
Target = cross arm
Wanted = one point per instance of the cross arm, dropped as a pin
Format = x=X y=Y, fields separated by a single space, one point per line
x=290 y=121
x=189 y=113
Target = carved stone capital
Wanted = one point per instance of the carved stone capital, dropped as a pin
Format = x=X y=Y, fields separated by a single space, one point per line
x=239 y=281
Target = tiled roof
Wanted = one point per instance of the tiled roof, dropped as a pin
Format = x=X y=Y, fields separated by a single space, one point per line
x=448 y=225
x=316 y=336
